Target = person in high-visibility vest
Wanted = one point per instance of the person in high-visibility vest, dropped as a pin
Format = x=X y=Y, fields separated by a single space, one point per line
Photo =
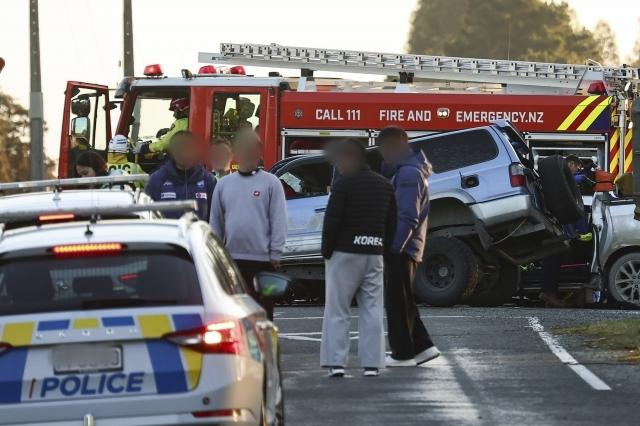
x=118 y=161
x=180 y=108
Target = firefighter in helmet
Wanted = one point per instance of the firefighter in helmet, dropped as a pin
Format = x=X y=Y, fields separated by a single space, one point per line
x=180 y=108
x=118 y=157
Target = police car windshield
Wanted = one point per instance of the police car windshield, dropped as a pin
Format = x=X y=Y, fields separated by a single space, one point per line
x=132 y=278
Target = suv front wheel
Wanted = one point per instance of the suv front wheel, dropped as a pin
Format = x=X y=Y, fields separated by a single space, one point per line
x=448 y=274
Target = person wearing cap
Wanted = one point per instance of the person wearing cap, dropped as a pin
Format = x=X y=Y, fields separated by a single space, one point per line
x=183 y=177
x=180 y=108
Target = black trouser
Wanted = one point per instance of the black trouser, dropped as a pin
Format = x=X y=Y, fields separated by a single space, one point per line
x=579 y=252
x=248 y=269
x=407 y=334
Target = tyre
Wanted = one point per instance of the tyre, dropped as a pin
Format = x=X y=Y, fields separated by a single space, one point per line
x=448 y=273
x=561 y=193
x=624 y=280
x=497 y=287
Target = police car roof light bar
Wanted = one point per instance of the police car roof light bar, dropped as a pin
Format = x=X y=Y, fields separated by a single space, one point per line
x=159 y=206
x=61 y=183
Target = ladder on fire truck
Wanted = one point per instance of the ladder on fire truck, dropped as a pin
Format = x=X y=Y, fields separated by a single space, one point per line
x=513 y=76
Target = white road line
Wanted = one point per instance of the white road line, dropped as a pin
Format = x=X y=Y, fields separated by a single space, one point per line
x=356 y=316
x=549 y=339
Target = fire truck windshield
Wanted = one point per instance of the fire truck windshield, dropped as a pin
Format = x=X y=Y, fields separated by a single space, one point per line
x=151 y=114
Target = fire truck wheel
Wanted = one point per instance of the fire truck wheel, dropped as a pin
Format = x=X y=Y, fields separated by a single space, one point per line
x=448 y=273
x=497 y=287
x=561 y=193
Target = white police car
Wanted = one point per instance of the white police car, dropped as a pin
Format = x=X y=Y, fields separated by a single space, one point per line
x=132 y=322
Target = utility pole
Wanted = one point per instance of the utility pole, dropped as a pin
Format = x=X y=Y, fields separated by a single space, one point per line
x=127 y=60
x=35 y=97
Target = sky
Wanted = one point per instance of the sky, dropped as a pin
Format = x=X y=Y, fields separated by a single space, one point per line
x=81 y=39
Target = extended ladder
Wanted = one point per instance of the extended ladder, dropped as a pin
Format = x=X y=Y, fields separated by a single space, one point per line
x=515 y=76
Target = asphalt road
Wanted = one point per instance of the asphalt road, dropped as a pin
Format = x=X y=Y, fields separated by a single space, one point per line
x=503 y=366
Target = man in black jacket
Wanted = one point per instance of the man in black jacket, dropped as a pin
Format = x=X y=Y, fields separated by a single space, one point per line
x=359 y=225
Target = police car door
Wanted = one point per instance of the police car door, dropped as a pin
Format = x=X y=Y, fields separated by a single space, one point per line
x=306 y=181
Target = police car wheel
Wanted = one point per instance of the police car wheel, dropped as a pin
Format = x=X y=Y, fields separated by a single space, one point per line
x=561 y=193
x=624 y=280
x=498 y=287
x=448 y=274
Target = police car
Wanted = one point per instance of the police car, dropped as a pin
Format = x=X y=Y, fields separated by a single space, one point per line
x=132 y=322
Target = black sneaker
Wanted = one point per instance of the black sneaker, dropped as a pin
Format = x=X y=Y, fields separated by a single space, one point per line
x=371 y=372
x=336 y=372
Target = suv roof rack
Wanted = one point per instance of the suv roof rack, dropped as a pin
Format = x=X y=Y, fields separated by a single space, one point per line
x=58 y=184
x=96 y=212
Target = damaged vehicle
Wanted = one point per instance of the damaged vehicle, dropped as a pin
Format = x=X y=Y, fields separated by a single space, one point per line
x=490 y=212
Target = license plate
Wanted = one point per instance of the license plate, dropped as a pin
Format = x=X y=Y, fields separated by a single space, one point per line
x=86 y=358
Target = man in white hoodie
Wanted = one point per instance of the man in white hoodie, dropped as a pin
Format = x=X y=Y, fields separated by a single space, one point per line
x=249 y=213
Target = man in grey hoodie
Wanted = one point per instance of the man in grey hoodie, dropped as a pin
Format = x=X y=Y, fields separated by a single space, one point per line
x=249 y=213
x=410 y=342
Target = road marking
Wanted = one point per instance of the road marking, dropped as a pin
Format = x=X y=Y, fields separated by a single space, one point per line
x=549 y=339
x=422 y=316
x=305 y=336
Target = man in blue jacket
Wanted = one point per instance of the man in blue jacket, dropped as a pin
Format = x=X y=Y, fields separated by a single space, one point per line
x=410 y=342
x=182 y=177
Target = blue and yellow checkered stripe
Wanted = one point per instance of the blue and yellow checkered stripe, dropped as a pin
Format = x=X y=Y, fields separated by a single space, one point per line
x=176 y=369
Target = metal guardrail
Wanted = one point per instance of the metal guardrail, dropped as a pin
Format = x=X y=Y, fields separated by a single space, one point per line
x=62 y=183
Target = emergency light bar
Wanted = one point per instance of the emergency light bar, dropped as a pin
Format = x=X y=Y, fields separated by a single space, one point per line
x=159 y=206
x=61 y=183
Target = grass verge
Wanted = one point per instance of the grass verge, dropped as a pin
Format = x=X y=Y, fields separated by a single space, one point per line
x=618 y=335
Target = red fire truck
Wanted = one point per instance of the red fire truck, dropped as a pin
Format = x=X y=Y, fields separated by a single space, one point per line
x=561 y=108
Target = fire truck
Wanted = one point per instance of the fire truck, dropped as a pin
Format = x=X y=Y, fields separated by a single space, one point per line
x=561 y=108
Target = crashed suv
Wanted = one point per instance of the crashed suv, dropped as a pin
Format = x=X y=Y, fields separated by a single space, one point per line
x=488 y=213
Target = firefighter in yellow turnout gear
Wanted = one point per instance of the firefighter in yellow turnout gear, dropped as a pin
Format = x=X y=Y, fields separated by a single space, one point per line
x=180 y=108
x=118 y=157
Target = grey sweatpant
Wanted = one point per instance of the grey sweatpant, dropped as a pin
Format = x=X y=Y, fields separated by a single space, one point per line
x=346 y=275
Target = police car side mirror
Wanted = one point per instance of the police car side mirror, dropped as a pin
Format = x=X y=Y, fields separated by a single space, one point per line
x=271 y=285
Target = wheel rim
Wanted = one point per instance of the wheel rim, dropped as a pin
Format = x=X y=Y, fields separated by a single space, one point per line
x=627 y=281
x=439 y=271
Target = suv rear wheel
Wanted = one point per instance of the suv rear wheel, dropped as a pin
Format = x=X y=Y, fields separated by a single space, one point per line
x=448 y=273
x=561 y=193
x=497 y=287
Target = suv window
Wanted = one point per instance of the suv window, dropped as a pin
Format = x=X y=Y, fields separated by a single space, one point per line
x=307 y=179
x=149 y=277
x=453 y=151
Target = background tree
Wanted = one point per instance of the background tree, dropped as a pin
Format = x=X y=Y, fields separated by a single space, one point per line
x=606 y=39
x=14 y=149
x=634 y=59
x=505 y=29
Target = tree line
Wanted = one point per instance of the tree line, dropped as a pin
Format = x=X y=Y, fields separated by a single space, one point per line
x=532 y=30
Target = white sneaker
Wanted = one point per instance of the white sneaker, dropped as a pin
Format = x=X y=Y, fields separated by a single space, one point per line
x=371 y=372
x=427 y=355
x=392 y=362
x=336 y=372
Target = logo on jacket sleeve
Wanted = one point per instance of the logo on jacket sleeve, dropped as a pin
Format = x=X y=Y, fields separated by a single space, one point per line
x=201 y=195
x=167 y=195
x=366 y=240
x=256 y=193
x=200 y=184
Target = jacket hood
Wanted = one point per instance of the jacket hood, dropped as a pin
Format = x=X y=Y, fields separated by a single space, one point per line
x=416 y=159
